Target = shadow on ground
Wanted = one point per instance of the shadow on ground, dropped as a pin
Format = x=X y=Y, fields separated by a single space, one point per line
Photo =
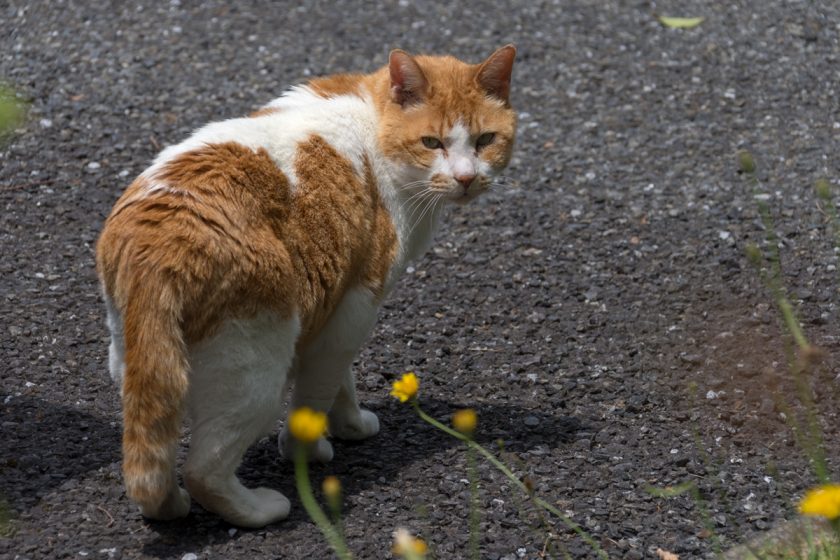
x=46 y=445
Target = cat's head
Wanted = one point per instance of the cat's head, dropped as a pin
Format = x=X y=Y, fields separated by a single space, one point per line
x=447 y=125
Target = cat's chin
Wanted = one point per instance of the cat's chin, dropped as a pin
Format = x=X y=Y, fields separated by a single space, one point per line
x=464 y=198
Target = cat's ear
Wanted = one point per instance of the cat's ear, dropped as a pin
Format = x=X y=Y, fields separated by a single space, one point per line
x=408 y=83
x=494 y=73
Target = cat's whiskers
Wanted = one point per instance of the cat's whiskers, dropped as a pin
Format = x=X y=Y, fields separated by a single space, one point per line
x=414 y=184
x=503 y=184
x=421 y=203
x=431 y=203
x=504 y=181
x=415 y=201
x=412 y=200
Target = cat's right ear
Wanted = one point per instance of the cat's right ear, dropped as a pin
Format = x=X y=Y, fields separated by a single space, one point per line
x=494 y=73
x=408 y=83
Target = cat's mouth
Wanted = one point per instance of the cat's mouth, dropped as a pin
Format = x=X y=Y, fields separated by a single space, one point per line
x=459 y=192
x=466 y=196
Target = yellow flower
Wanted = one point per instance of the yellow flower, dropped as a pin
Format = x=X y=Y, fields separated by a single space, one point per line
x=331 y=487
x=464 y=421
x=405 y=388
x=307 y=425
x=408 y=546
x=823 y=501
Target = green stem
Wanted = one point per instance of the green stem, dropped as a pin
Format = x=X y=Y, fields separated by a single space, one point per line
x=790 y=321
x=831 y=210
x=810 y=437
x=774 y=280
x=307 y=497
x=472 y=474
x=835 y=525
x=707 y=518
x=513 y=478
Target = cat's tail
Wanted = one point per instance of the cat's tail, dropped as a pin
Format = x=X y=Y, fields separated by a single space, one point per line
x=154 y=389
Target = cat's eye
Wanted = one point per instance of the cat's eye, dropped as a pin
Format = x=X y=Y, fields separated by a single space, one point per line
x=485 y=139
x=432 y=143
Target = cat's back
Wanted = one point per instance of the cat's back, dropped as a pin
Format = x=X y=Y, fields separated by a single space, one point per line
x=346 y=121
x=240 y=165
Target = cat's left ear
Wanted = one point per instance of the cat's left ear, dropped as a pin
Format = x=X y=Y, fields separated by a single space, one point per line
x=494 y=73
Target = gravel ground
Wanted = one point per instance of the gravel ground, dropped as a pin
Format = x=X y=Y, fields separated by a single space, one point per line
x=601 y=317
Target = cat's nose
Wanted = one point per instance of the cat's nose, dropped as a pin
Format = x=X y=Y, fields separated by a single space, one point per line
x=465 y=180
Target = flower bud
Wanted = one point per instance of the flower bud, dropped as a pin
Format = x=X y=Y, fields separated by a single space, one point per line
x=332 y=492
x=331 y=487
x=746 y=162
x=823 y=189
x=464 y=421
x=753 y=254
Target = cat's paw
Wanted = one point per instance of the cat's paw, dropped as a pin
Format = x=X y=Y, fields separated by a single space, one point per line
x=248 y=508
x=176 y=505
x=266 y=506
x=362 y=425
x=321 y=451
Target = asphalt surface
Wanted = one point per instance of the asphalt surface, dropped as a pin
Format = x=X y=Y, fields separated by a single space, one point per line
x=601 y=317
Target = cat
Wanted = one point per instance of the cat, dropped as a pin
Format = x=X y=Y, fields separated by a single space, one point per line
x=255 y=254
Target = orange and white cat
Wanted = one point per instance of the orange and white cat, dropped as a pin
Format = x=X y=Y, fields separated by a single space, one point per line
x=256 y=253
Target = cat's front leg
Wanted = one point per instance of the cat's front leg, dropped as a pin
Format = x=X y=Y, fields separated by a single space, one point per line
x=317 y=382
x=324 y=380
x=347 y=420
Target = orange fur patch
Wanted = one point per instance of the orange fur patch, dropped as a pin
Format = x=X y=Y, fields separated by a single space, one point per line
x=344 y=234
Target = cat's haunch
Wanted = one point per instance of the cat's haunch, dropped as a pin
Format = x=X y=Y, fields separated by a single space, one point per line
x=254 y=255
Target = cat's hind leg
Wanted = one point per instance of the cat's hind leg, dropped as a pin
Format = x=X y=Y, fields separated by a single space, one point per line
x=236 y=395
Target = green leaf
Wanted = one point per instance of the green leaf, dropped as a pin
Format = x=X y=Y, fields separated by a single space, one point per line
x=680 y=22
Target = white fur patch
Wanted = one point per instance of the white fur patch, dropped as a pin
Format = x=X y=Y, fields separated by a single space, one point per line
x=116 y=351
x=460 y=158
x=328 y=358
x=237 y=387
x=349 y=325
x=240 y=373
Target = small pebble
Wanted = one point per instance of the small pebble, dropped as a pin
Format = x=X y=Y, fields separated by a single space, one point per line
x=531 y=421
